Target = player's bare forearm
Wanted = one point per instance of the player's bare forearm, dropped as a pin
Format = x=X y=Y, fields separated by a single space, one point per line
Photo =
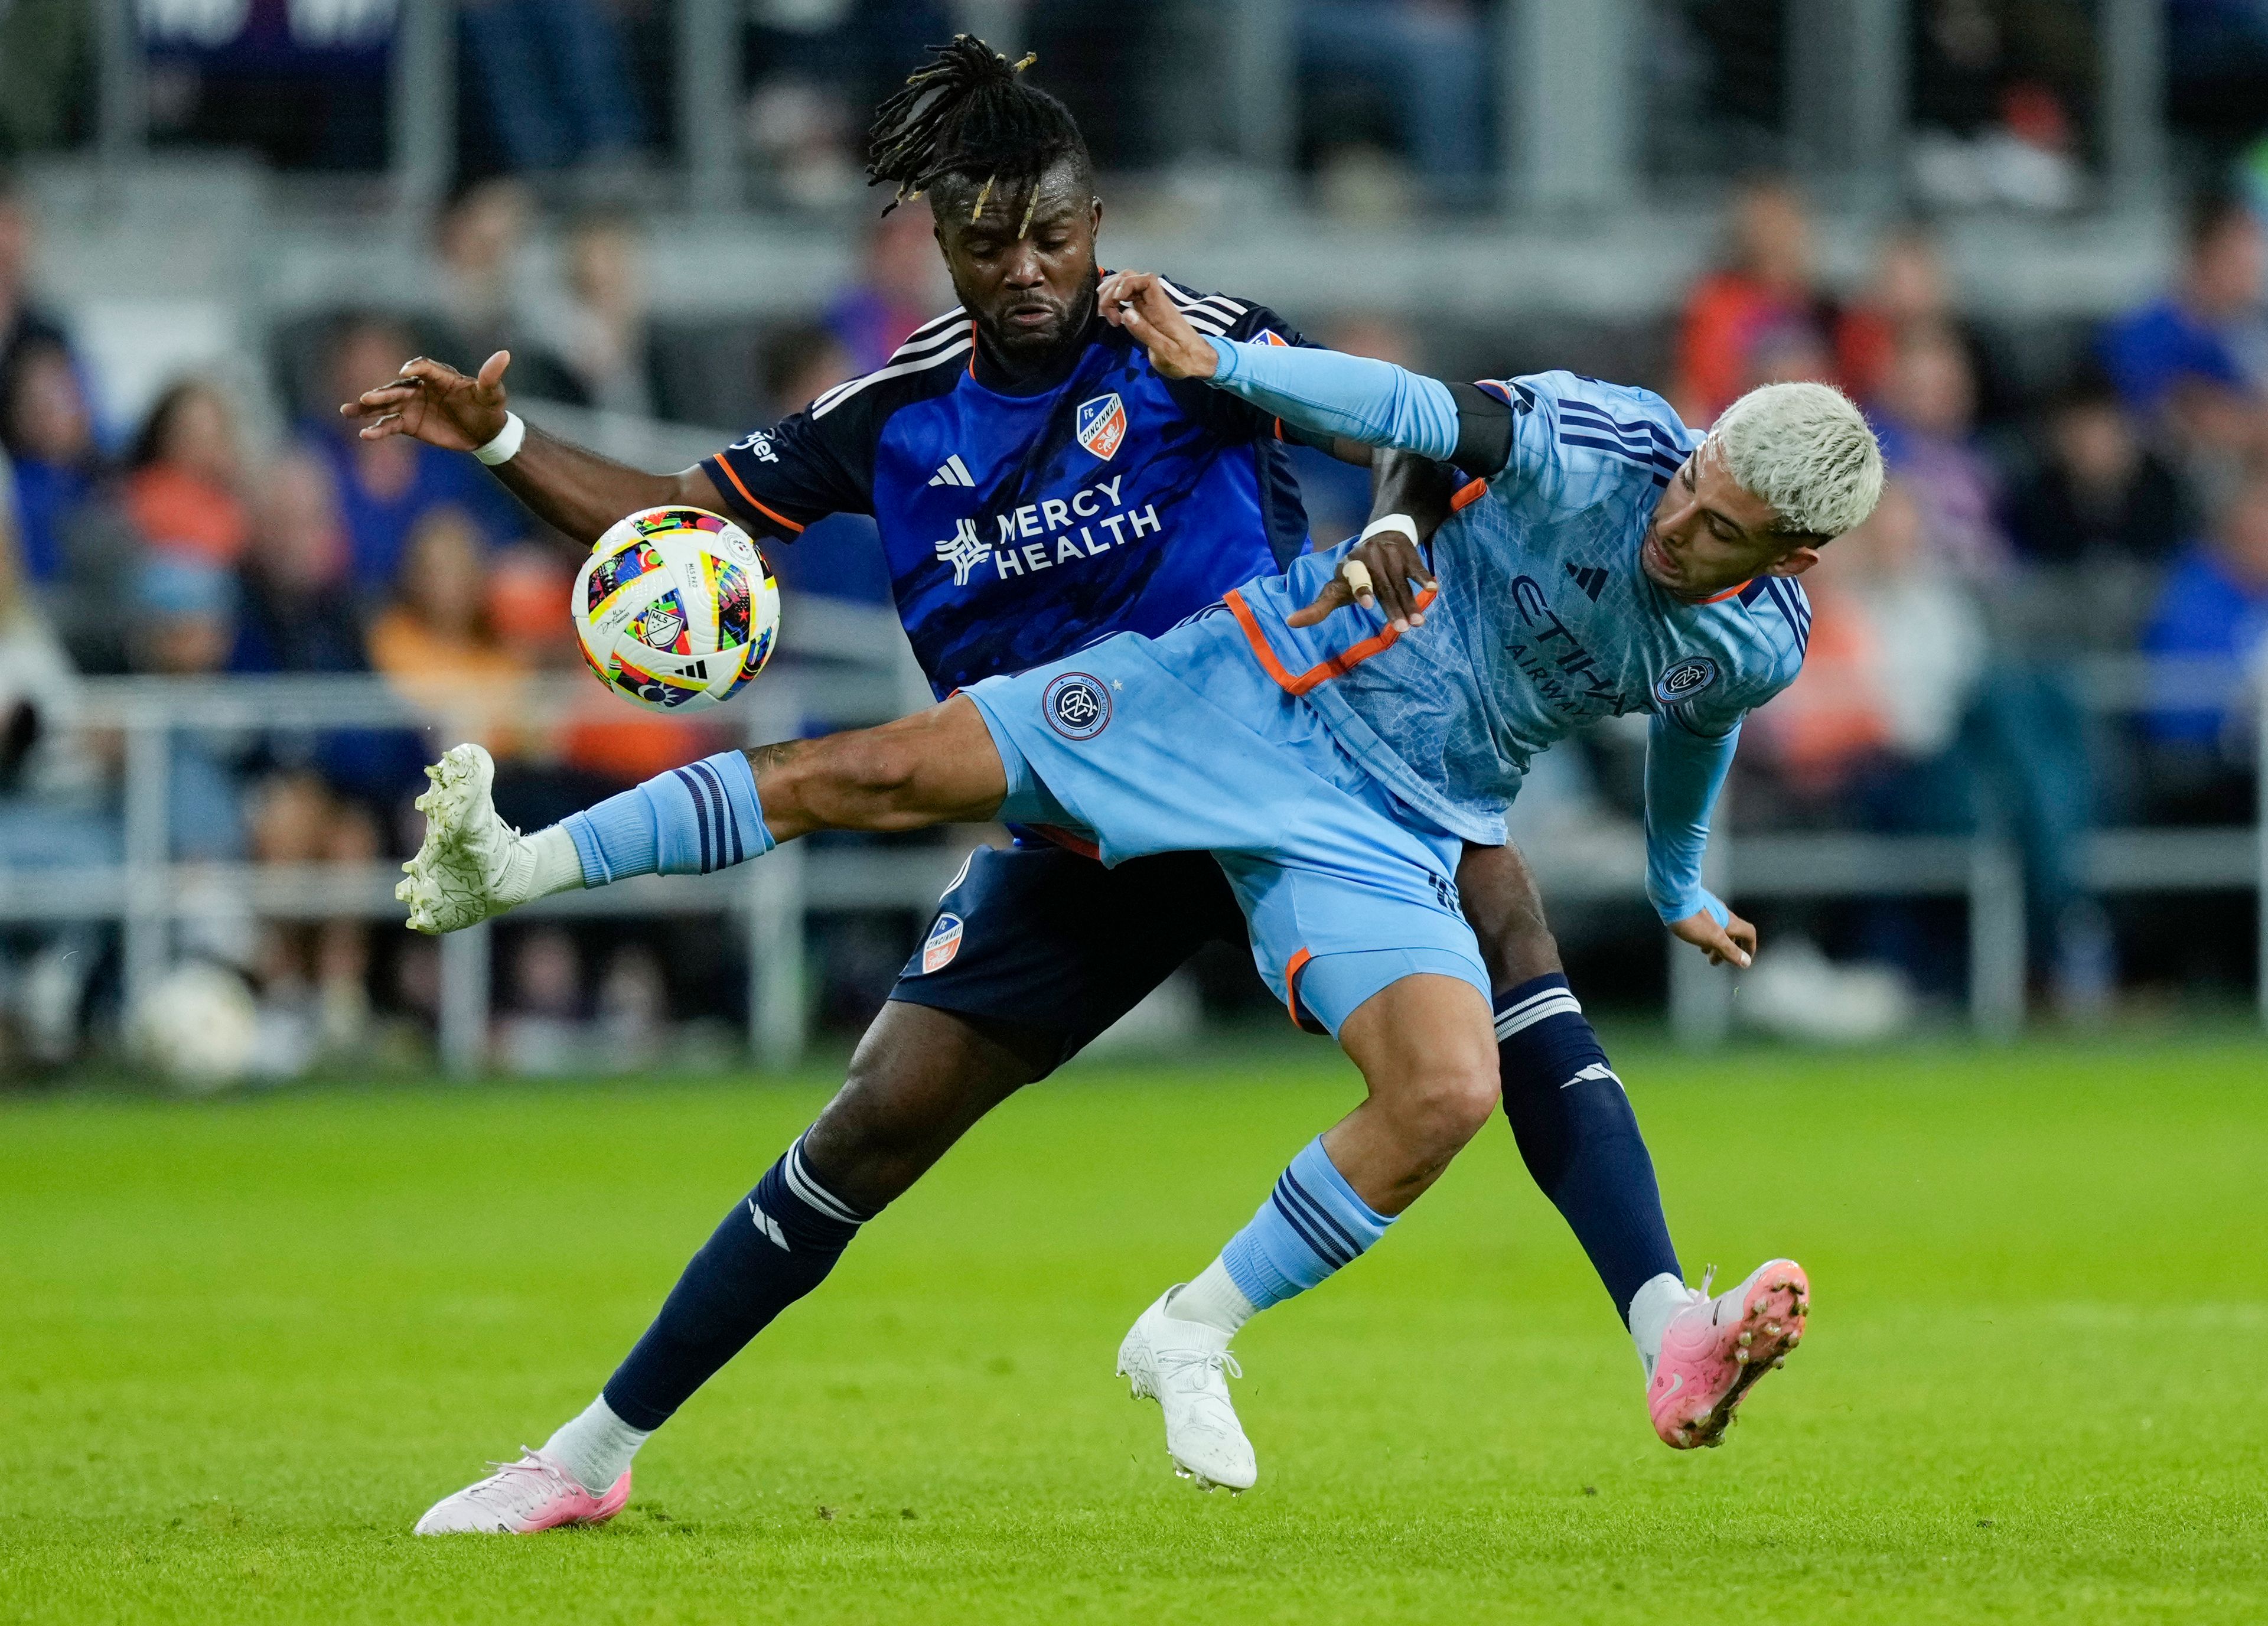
x=581 y=494
x=1387 y=569
x=575 y=491
x=1405 y=483
x=937 y=767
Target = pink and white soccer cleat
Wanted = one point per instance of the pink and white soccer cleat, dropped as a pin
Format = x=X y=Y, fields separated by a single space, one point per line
x=1714 y=1349
x=521 y=1498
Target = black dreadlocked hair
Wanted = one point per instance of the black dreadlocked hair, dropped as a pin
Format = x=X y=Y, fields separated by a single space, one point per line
x=967 y=112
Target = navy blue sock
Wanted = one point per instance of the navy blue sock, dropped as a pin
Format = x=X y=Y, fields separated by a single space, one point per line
x=1578 y=1138
x=774 y=1248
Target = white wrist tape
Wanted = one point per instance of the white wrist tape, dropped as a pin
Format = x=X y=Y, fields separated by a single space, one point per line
x=506 y=445
x=1403 y=522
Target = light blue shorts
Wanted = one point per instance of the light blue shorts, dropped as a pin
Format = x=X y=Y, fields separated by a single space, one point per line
x=1181 y=743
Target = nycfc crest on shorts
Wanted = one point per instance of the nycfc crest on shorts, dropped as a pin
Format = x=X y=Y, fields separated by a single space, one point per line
x=1076 y=706
x=943 y=944
x=1102 y=425
x=1685 y=680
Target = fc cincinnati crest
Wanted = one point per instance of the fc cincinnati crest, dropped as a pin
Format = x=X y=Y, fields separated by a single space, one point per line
x=1102 y=425
x=944 y=942
x=1078 y=707
x=1685 y=680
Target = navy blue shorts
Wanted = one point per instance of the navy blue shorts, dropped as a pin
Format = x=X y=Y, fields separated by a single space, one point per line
x=1049 y=940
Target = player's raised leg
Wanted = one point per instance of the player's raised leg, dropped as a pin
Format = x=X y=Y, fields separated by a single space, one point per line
x=937 y=766
x=1428 y=1057
x=920 y=1078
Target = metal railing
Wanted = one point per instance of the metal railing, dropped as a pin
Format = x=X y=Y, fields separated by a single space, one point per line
x=149 y=893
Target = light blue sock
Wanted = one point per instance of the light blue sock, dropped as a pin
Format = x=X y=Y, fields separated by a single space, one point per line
x=1312 y=1225
x=692 y=819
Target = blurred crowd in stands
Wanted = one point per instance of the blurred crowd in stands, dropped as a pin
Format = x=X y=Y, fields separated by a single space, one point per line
x=2045 y=630
x=1392 y=101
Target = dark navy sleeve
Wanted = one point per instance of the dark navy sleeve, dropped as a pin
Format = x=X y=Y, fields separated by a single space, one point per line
x=1222 y=413
x=1259 y=325
x=777 y=481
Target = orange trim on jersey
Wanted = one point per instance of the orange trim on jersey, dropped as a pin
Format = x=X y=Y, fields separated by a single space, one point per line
x=1065 y=839
x=972 y=347
x=1337 y=666
x=1467 y=495
x=1291 y=970
x=1737 y=587
x=750 y=497
x=1279 y=429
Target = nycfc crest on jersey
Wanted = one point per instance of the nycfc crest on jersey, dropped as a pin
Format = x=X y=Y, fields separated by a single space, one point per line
x=1685 y=680
x=1076 y=706
x=1102 y=425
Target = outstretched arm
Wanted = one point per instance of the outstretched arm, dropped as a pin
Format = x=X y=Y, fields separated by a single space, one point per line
x=1685 y=772
x=1323 y=392
x=576 y=492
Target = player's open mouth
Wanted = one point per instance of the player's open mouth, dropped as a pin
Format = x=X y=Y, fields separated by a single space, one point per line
x=1656 y=560
x=1031 y=315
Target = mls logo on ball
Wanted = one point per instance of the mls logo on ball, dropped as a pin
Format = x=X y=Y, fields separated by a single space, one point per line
x=944 y=942
x=1102 y=425
x=1076 y=706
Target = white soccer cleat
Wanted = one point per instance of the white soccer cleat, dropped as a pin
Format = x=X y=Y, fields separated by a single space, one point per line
x=522 y=1497
x=472 y=864
x=1185 y=1366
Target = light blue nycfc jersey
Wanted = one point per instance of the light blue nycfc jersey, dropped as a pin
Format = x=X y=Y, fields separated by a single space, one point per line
x=1543 y=622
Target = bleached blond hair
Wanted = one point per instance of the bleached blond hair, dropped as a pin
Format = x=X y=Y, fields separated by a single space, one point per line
x=1806 y=449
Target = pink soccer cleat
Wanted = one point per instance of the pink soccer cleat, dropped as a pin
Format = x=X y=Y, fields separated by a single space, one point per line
x=521 y=1498
x=1714 y=1349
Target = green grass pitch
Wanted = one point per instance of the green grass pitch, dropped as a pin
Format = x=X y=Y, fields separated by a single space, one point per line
x=244 y=1344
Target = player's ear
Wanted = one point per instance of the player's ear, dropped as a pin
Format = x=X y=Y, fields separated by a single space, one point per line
x=1795 y=562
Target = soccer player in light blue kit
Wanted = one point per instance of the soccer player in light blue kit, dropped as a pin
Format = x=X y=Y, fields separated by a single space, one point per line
x=1335 y=761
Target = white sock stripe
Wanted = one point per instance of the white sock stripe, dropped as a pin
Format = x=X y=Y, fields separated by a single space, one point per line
x=800 y=1183
x=1536 y=998
x=1528 y=1016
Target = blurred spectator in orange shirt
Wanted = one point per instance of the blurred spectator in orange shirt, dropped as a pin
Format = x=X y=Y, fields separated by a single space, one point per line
x=1770 y=283
x=435 y=640
x=182 y=477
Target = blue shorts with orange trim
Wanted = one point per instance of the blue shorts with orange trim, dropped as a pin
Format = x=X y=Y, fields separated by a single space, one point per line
x=1181 y=743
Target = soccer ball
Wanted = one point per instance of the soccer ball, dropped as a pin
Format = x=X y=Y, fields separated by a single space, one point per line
x=675 y=609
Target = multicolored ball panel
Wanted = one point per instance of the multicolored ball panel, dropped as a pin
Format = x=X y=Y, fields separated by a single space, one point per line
x=676 y=609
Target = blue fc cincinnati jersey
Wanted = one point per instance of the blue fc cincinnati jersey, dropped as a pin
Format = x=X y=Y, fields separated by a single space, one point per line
x=1019 y=527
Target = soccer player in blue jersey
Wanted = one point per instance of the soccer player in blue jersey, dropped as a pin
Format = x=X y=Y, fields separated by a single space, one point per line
x=1611 y=561
x=1038 y=485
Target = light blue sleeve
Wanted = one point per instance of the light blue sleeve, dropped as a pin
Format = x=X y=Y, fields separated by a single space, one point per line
x=1327 y=393
x=1685 y=771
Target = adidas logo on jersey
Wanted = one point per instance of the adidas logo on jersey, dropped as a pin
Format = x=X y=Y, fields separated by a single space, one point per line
x=952 y=471
x=1589 y=577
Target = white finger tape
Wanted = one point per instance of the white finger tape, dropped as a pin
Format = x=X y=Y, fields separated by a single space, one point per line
x=1358 y=576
